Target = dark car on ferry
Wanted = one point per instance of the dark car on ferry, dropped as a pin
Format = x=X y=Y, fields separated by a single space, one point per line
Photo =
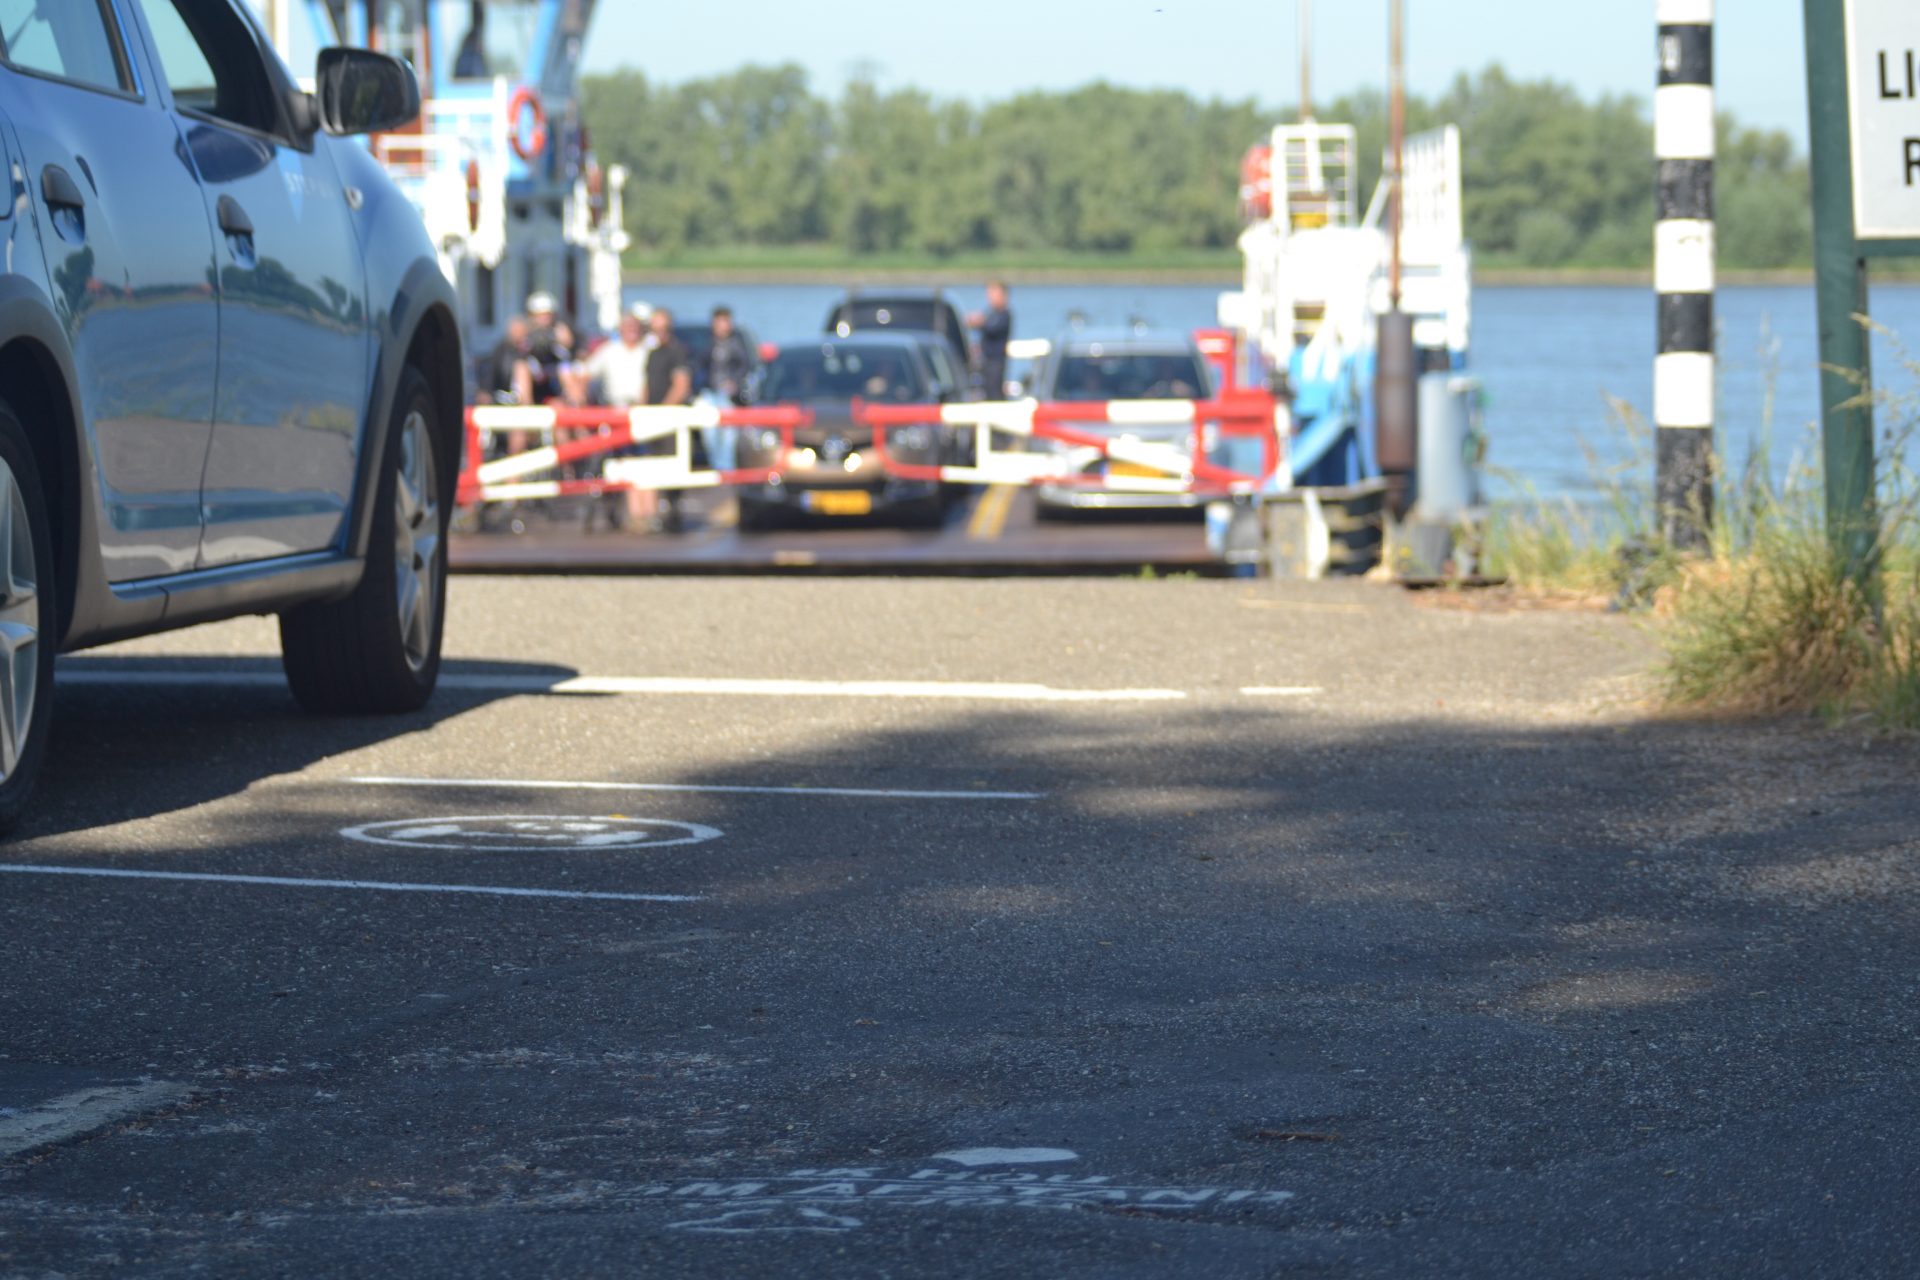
x=833 y=468
x=230 y=374
x=908 y=310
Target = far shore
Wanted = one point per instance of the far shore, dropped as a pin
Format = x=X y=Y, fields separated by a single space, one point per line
x=1119 y=274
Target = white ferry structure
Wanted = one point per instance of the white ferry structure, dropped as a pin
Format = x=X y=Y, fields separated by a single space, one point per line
x=499 y=164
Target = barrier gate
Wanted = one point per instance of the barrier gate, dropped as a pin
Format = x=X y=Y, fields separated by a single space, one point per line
x=997 y=439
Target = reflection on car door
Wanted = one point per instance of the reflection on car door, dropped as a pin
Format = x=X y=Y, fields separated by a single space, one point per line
x=294 y=333
x=130 y=257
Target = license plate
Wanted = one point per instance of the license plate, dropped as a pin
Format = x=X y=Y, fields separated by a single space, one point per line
x=839 y=502
x=1133 y=471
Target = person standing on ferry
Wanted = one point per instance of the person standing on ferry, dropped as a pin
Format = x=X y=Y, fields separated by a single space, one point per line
x=995 y=326
x=669 y=380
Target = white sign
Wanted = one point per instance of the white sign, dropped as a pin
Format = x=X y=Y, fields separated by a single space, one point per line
x=1883 y=96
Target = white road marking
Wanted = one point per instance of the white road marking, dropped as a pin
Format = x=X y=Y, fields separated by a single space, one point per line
x=602 y=686
x=289 y=882
x=1280 y=691
x=538 y=784
x=532 y=833
x=83 y=1111
x=975 y=1156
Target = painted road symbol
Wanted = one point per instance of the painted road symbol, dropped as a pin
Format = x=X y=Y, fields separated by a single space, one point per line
x=524 y=833
x=992 y=1178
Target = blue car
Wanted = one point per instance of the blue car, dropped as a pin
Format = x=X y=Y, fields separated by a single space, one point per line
x=230 y=375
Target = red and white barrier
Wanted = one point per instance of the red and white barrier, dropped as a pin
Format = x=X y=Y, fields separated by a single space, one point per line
x=1003 y=431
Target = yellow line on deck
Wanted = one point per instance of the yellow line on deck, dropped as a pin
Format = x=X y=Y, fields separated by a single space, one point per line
x=990 y=513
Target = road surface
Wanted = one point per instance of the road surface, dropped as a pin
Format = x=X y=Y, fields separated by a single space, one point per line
x=865 y=927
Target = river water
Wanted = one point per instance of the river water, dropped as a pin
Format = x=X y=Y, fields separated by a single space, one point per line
x=1559 y=363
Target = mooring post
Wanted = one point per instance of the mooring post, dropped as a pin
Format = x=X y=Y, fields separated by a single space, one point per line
x=1396 y=368
x=1683 y=274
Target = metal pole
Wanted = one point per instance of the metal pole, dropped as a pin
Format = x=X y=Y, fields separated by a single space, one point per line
x=1397 y=137
x=1840 y=280
x=1396 y=370
x=1683 y=273
x=1306 y=60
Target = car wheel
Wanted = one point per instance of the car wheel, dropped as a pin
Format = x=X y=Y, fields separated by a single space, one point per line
x=379 y=649
x=28 y=610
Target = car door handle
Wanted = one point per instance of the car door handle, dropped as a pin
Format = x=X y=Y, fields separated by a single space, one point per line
x=233 y=219
x=59 y=190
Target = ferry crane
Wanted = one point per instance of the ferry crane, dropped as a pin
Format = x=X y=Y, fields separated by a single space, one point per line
x=499 y=164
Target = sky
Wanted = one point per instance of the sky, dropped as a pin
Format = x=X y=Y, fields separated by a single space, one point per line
x=987 y=49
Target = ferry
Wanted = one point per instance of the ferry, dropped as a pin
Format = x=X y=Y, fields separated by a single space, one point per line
x=499 y=164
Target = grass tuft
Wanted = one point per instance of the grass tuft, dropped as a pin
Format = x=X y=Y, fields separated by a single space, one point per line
x=1770 y=623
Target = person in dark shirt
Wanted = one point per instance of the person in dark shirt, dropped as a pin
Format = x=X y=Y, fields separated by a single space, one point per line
x=669 y=367
x=669 y=381
x=731 y=361
x=497 y=377
x=995 y=326
x=549 y=350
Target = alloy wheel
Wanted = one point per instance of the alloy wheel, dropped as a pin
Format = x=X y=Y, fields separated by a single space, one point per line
x=416 y=534
x=19 y=623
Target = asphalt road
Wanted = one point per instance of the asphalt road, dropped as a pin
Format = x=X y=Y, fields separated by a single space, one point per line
x=1083 y=928
x=997 y=530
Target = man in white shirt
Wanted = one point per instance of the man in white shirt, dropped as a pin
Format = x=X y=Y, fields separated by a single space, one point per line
x=617 y=372
x=618 y=369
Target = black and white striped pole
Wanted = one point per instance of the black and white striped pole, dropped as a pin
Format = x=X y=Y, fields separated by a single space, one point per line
x=1683 y=273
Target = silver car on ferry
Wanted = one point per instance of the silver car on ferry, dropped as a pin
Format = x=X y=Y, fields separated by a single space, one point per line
x=1095 y=365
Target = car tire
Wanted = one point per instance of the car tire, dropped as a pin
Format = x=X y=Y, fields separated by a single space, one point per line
x=29 y=608
x=378 y=650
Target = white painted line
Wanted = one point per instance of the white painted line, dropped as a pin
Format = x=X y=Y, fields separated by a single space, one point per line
x=1280 y=691
x=83 y=1111
x=538 y=784
x=732 y=687
x=631 y=685
x=288 y=882
x=973 y=1157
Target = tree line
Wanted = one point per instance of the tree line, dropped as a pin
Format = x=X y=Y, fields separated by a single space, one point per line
x=756 y=158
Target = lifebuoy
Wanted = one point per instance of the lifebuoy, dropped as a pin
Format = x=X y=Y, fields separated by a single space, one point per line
x=1256 y=183
x=528 y=149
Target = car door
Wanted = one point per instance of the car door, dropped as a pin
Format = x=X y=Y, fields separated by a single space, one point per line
x=129 y=257
x=294 y=332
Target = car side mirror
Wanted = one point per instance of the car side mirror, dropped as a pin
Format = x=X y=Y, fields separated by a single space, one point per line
x=359 y=91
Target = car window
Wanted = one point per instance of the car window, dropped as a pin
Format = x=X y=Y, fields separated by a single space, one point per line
x=842 y=372
x=1095 y=375
x=211 y=62
x=943 y=368
x=75 y=40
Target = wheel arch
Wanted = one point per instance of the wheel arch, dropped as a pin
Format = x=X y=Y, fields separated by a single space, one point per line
x=417 y=327
x=34 y=385
x=436 y=352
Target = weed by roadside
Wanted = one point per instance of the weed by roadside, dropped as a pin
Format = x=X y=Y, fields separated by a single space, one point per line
x=1770 y=623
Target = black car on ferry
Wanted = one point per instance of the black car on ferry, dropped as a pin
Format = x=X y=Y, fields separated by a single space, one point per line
x=832 y=468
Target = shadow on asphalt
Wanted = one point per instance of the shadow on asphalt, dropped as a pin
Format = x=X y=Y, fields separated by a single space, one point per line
x=137 y=747
x=1589 y=993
